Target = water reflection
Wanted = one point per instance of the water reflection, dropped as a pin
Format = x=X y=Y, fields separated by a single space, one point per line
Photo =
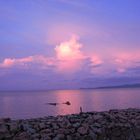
x=33 y=104
x=73 y=97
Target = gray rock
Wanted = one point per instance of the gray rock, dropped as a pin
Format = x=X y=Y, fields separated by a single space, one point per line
x=137 y=133
x=59 y=137
x=121 y=117
x=138 y=117
x=112 y=125
x=55 y=126
x=42 y=125
x=98 y=125
x=45 y=137
x=36 y=127
x=14 y=127
x=31 y=131
x=77 y=135
x=76 y=125
x=4 y=120
x=93 y=135
x=69 y=137
x=3 y=129
x=46 y=131
x=97 y=117
x=72 y=130
x=131 y=137
x=96 y=130
x=116 y=132
x=82 y=130
x=22 y=136
x=36 y=136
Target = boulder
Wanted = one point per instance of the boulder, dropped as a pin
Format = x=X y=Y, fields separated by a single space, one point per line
x=59 y=137
x=22 y=136
x=42 y=125
x=82 y=130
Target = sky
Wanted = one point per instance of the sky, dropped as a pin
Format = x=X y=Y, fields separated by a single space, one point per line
x=68 y=44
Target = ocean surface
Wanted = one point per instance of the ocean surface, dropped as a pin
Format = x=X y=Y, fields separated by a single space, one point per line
x=21 y=105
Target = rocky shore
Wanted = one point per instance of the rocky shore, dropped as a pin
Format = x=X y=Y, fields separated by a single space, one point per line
x=108 y=125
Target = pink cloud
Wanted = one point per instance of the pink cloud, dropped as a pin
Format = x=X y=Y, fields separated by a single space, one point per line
x=96 y=60
x=46 y=61
x=9 y=62
x=69 y=55
x=69 y=58
x=125 y=60
x=69 y=49
x=23 y=62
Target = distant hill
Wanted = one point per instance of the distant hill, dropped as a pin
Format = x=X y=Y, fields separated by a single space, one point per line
x=118 y=86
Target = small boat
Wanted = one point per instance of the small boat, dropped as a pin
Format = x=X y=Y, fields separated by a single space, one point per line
x=52 y=104
x=67 y=103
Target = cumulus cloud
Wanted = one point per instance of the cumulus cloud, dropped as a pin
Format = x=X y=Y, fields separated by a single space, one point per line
x=9 y=62
x=69 y=55
x=96 y=60
x=69 y=49
x=26 y=61
x=126 y=60
x=69 y=58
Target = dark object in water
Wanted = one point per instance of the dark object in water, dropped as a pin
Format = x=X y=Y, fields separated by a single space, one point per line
x=52 y=104
x=67 y=103
x=81 y=111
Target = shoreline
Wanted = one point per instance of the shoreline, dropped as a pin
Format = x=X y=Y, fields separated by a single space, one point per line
x=116 y=124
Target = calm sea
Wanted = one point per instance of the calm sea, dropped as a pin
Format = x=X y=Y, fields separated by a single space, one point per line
x=33 y=104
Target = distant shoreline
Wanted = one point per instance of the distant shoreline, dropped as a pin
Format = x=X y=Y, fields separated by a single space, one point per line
x=113 y=87
x=112 y=124
x=102 y=87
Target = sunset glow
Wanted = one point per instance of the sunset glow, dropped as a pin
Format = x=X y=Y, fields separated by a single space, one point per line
x=69 y=41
